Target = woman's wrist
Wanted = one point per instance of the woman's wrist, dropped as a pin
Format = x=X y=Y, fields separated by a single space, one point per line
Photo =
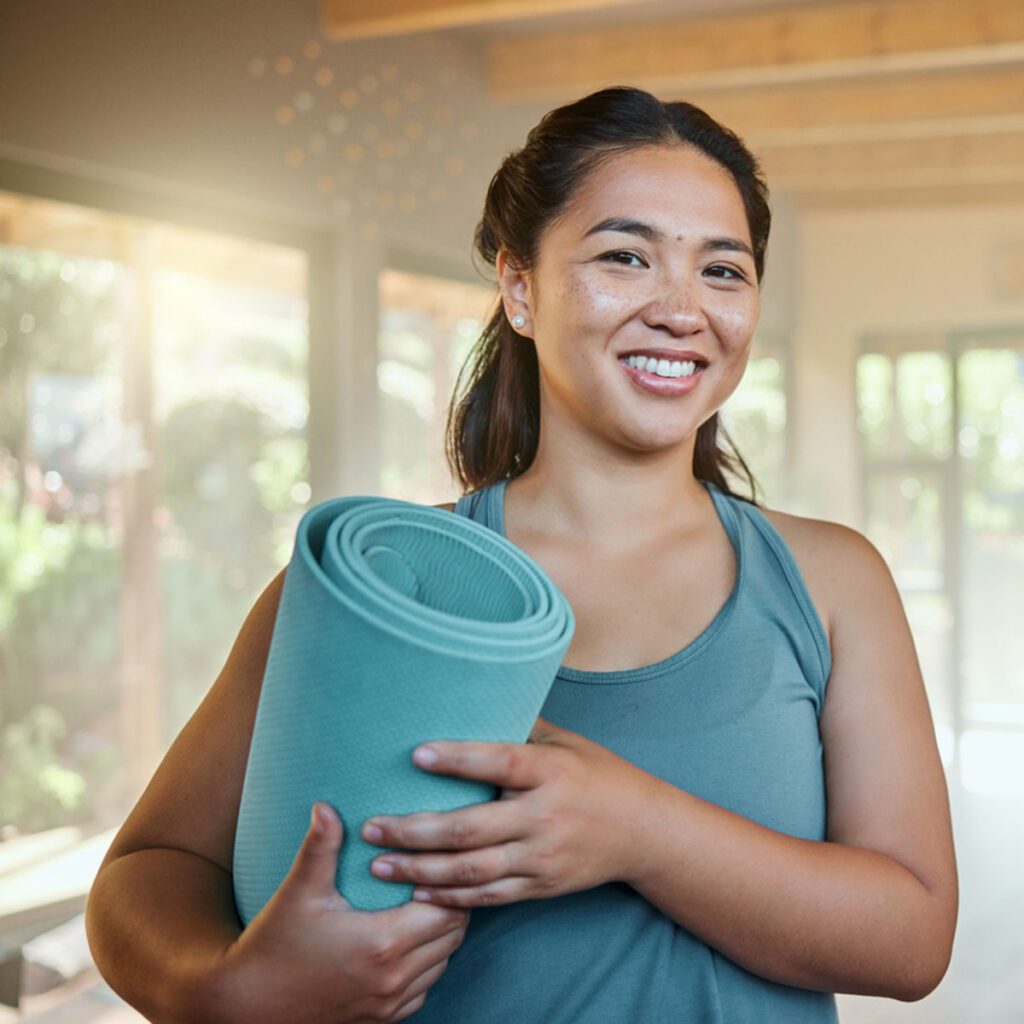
x=638 y=829
x=209 y=991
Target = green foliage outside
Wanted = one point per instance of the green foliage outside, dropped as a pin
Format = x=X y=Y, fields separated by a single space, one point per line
x=919 y=452
x=755 y=420
x=230 y=461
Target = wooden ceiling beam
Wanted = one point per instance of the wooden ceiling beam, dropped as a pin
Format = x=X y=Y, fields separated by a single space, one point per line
x=932 y=103
x=955 y=162
x=761 y=47
x=901 y=198
x=362 y=19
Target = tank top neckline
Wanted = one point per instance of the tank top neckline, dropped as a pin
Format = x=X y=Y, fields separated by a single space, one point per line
x=495 y=512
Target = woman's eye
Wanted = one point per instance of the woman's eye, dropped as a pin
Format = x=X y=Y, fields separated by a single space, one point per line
x=629 y=256
x=735 y=274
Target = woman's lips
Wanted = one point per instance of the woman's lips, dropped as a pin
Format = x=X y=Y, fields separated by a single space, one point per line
x=655 y=385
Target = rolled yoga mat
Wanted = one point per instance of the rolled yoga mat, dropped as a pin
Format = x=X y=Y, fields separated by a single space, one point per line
x=398 y=624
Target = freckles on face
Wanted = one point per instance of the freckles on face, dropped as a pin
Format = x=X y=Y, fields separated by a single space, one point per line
x=594 y=302
x=735 y=325
x=667 y=278
x=574 y=320
x=653 y=251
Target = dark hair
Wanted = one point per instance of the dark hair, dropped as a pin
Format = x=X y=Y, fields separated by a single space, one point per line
x=493 y=430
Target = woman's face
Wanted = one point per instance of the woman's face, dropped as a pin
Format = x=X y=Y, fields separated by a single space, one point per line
x=651 y=254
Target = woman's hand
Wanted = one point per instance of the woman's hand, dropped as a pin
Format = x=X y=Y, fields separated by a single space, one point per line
x=569 y=818
x=308 y=955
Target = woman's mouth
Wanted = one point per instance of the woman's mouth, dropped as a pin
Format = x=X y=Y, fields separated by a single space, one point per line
x=658 y=380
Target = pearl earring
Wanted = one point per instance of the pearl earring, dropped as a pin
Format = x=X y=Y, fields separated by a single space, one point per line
x=518 y=321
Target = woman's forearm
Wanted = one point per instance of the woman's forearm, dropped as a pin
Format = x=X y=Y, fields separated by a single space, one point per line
x=816 y=915
x=158 y=922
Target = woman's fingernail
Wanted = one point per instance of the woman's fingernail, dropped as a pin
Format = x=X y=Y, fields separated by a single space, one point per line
x=425 y=756
x=383 y=868
x=373 y=833
x=422 y=895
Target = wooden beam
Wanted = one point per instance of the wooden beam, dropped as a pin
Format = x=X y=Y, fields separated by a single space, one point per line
x=361 y=19
x=942 y=196
x=934 y=102
x=961 y=162
x=761 y=47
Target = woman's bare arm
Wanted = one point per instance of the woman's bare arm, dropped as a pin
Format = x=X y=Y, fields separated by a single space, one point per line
x=161 y=917
x=161 y=910
x=873 y=909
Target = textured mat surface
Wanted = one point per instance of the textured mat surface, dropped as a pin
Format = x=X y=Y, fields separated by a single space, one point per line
x=399 y=623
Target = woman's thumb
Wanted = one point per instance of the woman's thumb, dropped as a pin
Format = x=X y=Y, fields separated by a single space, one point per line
x=316 y=862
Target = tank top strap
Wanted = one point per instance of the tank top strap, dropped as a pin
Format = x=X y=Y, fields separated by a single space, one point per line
x=464 y=505
x=479 y=505
x=780 y=584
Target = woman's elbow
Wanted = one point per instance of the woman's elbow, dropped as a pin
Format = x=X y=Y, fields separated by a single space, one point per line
x=924 y=985
x=933 y=963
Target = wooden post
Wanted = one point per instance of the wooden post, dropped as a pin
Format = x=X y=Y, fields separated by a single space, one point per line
x=142 y=669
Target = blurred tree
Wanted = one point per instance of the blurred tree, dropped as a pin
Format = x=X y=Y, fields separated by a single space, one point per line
x=36 y=791
x=230 y=409
x=57 y=314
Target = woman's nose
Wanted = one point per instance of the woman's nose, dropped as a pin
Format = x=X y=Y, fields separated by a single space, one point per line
x=677 y=309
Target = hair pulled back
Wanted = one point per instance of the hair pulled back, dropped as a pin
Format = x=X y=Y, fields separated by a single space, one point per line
x=493 y=430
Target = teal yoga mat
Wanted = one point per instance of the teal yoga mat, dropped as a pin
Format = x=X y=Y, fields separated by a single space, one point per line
x=398 y=623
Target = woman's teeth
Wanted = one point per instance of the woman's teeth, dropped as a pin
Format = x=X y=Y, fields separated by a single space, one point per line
x=662 y=367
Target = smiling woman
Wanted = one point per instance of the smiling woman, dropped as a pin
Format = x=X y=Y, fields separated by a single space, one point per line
x=732 y=806
x=685 y=293
x=587 y=181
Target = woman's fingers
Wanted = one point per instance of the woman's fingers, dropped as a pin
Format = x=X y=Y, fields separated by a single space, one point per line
x=425 y=966
x=492 y=894
x=415 y=930
x=461 y=869
x=415 y=995
x=484 y=824
x=408 y=1009
x=513 y=765
x=427 y=963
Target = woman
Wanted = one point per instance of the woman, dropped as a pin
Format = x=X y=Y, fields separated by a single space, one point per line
x=732 y=806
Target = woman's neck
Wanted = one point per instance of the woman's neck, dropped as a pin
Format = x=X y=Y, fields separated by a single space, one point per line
x=609 y=506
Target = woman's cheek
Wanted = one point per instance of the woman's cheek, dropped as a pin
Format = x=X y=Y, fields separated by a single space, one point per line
x=736 y=327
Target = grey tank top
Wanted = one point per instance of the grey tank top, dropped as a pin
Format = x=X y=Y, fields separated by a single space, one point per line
x=733 y=718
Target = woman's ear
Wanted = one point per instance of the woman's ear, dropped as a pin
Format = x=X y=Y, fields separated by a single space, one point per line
x=515 y=293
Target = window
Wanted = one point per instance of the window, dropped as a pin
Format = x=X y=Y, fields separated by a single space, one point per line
x=941 y=424
x=153 y=465
x=427 y=327
x=755 y=417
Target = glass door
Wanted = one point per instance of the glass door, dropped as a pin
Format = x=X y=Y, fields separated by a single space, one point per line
x=428 y=324
x=990 y=446
x=153 y=464
x=941 y=425
x=905 y=404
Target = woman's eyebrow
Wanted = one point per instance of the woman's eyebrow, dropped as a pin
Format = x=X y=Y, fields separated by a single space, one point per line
x=629 y=227
x=650 y=233
x=732 y=244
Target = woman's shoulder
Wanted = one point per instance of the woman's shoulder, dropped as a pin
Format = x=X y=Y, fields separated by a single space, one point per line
x=828 y=546
x=838 y=563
